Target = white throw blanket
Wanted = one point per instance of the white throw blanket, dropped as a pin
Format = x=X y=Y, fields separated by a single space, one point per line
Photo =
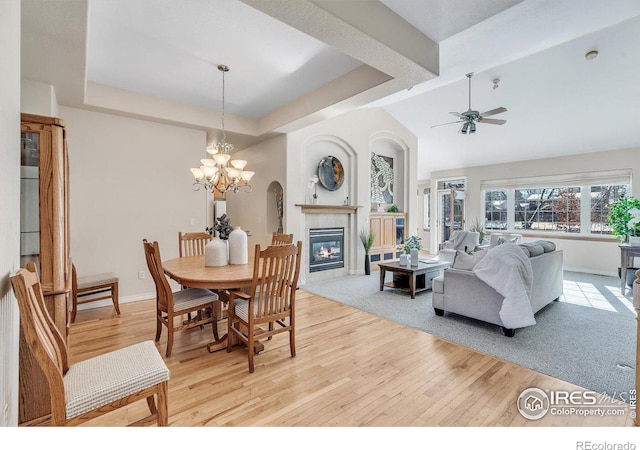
x=456 y=239
x=508 y=270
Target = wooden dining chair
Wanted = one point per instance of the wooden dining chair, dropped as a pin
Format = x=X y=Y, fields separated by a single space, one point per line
x=270 y=301
x=97 y=385
x=85 y=289
x=281 y=239
x=170 y=305
x=192 y=244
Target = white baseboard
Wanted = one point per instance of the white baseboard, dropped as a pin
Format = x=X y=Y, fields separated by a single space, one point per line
x=121 y=300
x=593 y=272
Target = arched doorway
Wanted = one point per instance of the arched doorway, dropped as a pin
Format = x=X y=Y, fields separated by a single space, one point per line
x=275 y=208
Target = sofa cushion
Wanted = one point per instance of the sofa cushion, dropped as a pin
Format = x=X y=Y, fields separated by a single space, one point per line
x=548 y=246
x=466 y=261
x=532 y=249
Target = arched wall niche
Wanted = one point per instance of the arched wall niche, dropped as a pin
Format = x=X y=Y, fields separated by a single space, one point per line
x=317 y=147
x=275 y=208
x=391 y=145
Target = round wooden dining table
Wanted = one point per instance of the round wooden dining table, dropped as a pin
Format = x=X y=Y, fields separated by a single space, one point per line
x=190 y=271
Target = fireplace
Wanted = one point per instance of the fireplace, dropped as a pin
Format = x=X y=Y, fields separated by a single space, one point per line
x=326 y=246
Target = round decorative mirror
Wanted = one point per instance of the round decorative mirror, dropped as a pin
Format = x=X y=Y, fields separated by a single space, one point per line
x=331 y=173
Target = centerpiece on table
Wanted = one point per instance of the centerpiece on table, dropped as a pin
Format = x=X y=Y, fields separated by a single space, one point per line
x=216 y=252
x=410 y=247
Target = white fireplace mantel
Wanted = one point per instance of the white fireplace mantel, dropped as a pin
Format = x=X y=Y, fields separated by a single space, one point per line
x=328 y=209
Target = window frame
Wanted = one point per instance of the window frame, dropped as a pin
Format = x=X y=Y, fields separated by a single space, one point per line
x=586 y=225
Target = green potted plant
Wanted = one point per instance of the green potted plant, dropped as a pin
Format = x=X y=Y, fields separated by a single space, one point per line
x=624 y=218
x=367 y=242
x=411 y=246
x=477 y=227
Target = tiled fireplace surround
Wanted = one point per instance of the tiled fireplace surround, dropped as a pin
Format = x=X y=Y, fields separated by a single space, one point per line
x=344 y=219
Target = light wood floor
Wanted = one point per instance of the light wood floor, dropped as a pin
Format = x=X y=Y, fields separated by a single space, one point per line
x=351 y=369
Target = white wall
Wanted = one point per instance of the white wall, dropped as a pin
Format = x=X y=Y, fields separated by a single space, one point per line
x=129 y=180
x=10 y=206
x=580 y=255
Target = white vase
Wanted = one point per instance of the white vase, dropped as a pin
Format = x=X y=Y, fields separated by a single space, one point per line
x=238 y=247
x=634 y=240
x=403 y=259
x=215 y=253
x=414 y=257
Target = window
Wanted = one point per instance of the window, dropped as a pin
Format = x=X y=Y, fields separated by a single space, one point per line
x=548 y=209
x=601 y=198
x=495 y=210
x=427 y=208
x=576 y=203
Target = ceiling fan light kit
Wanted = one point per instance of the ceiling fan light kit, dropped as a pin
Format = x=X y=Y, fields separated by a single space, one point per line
x=470 y=118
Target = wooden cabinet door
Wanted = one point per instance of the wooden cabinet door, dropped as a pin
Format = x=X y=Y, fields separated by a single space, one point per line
x=388 y=231
x=375 y=228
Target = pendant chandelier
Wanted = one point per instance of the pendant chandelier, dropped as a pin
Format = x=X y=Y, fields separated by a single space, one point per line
x=218 y=173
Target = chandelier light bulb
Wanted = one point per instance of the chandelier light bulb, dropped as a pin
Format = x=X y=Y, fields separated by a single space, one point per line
x=198 y=174
x=208 y=162
x=221 y=158
x=239 y=163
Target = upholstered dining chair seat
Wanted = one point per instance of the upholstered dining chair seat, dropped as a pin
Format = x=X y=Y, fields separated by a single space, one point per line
x=106 y=378
x=190 y=298
x=88 y=281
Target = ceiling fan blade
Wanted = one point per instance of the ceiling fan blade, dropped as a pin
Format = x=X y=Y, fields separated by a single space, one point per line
x=493 y=112
x=493 y=121
x=458 y=115
x=448 y=123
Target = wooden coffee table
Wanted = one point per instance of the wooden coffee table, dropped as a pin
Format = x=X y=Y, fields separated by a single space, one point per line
x=412 y=279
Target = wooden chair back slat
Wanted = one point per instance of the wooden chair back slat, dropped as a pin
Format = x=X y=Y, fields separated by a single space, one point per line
x=192 y=244
x=281 y=239
x=164 y=294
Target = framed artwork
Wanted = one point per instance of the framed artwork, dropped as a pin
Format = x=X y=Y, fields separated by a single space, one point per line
x=381 y=179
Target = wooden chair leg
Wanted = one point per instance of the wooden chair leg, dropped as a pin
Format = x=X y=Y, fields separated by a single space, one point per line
x=152 y=405
x=292 y=342
x=163 y=405
x=74 y=310
x=250 y=351
x=158 y=328
x=170 y=337
x=116 y=301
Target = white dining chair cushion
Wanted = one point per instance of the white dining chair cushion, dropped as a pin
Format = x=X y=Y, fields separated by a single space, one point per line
x=96 y=280
x=103 y=379
x=242 y=309
x=192 y=297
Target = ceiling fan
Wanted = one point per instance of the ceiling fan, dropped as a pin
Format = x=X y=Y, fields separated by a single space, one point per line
x=470 y=117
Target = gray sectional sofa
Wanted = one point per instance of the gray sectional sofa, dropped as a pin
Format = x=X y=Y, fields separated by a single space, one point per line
x=460 y=291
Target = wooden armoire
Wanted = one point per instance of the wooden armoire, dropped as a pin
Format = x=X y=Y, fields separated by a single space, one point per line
x=44 y=239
